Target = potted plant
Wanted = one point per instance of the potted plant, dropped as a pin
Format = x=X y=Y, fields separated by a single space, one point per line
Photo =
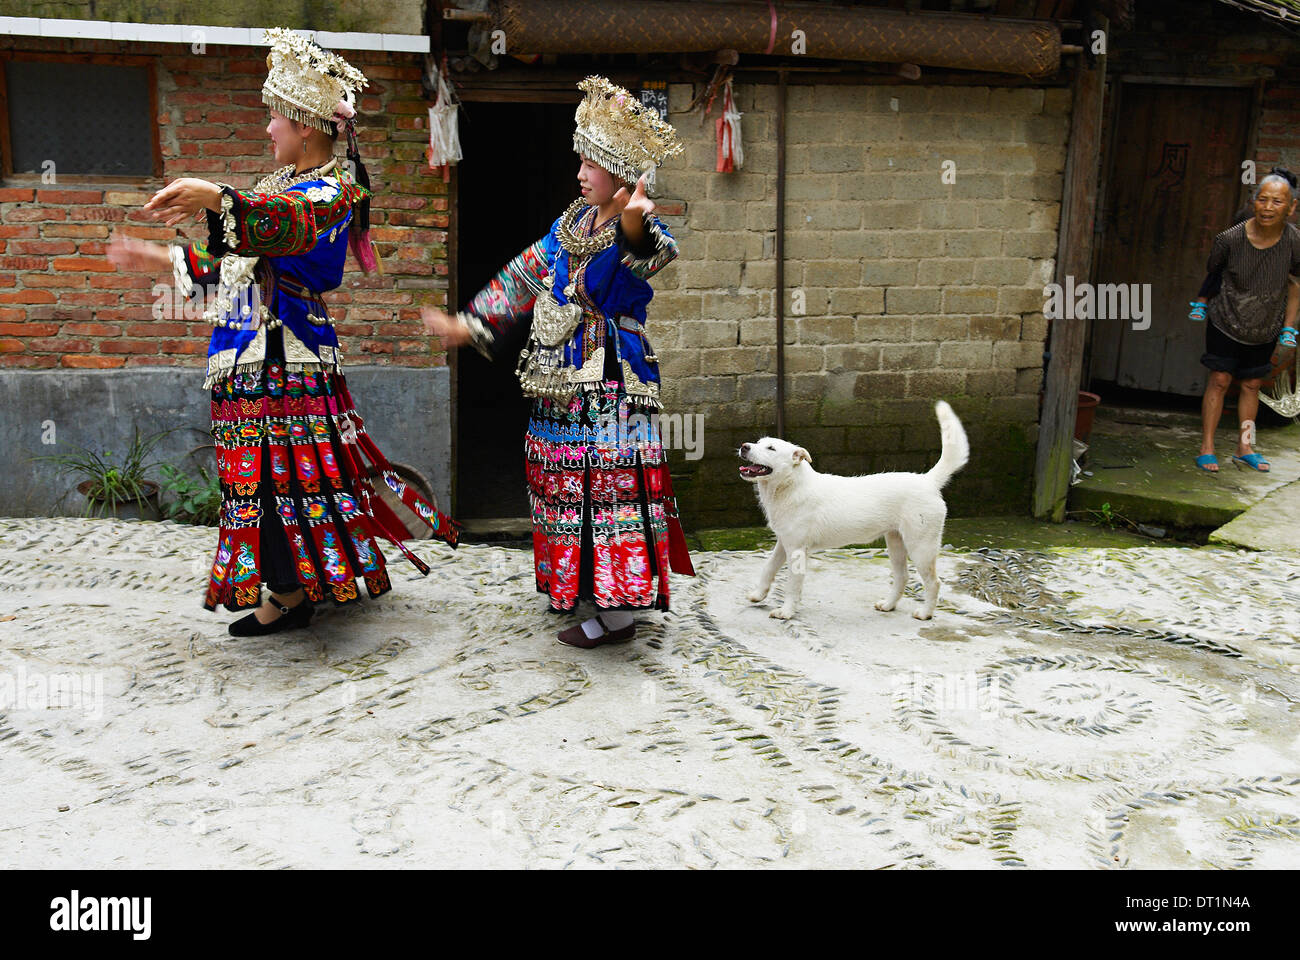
x=190 y=500
x=114 y=487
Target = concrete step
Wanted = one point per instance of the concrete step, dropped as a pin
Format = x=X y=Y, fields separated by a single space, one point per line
x=488 y=529
x=1154 y=418
x=1146 y=473
x=1271 y=524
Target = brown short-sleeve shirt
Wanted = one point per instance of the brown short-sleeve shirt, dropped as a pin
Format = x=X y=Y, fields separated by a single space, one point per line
x=1252 y=303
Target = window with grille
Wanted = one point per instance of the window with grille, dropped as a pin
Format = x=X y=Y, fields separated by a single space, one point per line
x=79 y=118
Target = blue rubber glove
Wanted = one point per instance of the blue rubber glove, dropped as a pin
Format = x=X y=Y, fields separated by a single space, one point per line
x=1198 y=310
x=1288 y=337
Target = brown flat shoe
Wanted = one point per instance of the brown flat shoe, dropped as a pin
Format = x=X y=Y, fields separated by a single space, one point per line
x=577 y=637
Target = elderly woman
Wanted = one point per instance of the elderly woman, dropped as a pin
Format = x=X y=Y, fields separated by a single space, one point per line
x=1254 y=310
x=604 y=516
x=299 y=514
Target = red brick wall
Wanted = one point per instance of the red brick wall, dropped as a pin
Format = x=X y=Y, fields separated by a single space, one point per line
x=62 y=304
x=1279 y=128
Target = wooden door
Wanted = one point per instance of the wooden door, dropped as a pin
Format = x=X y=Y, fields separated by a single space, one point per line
x=1174 y=182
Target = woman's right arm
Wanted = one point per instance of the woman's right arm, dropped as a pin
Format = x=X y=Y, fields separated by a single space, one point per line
x=1213 y=278
x=138 y=256
x=508 y=298
x=1218 y=258
x=191 y=265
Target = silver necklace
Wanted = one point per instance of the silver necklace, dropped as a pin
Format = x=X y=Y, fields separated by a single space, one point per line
x=576 y=244
x=284 y=178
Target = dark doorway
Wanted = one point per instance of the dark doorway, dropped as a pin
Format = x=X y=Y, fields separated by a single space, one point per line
x=518 y=174
x=1174 y=181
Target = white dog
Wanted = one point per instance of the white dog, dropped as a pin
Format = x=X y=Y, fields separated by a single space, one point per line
x=808 y=511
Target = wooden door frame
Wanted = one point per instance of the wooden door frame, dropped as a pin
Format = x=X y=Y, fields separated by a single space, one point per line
x=1074 y=256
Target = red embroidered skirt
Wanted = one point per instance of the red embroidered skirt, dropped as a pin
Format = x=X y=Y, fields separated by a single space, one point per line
x=298 y=505
x=605 y=524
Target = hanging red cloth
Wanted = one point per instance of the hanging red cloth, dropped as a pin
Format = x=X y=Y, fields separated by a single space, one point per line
x=731 y=155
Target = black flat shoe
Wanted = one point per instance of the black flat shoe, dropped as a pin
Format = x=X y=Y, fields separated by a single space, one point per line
x=290 y=618
x=577 y=637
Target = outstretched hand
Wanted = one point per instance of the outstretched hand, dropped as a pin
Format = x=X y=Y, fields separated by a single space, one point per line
x=183 y=198
x=444 y=326
x=128 y=253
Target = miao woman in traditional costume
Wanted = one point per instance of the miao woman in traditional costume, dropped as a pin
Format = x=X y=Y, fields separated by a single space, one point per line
x=605 y=526
x=299 y=514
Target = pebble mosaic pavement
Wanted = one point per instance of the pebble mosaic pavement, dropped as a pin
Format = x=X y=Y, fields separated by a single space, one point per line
x=1096 y=708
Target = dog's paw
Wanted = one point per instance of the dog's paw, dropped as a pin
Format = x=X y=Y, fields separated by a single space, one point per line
x=885 y=605
x=780 y=613
x=922 y=615
x=756 y=596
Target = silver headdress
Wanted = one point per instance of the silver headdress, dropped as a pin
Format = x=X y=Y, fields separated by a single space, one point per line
x=306 y=82
x=621 y=134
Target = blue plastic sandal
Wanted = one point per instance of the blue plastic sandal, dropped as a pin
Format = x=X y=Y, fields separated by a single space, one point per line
x=1198 y=310
x=1204 y=461
x=1288 y=337
x=1252 y=460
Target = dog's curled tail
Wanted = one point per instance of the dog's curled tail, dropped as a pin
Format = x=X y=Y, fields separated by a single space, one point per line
x=956 y=449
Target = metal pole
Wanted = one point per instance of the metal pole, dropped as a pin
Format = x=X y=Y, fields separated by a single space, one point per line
x=780 y=253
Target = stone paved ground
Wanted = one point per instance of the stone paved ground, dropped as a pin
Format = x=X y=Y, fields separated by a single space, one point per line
x=1081 y=708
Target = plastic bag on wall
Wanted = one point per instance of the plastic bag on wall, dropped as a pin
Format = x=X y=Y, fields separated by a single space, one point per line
x=444 y=124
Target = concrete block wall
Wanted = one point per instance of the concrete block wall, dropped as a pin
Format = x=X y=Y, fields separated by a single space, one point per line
x=912 y=289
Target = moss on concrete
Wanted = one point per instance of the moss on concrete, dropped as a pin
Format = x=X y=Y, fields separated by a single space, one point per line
x=1148 y=474
x=1000 y=475
x=732 y=538
x=1026 y=533
x=1271 y=524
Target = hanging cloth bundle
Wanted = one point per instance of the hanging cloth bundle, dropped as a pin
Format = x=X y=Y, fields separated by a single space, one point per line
x=1283 y=396
x=359 y=235
x=731 y=155
x=444 y=133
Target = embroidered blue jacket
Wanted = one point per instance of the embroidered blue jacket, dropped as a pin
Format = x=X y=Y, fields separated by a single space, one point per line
x=268 y=259
x=610 y=286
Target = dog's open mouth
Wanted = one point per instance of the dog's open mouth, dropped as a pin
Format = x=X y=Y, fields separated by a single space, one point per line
x=754 y=470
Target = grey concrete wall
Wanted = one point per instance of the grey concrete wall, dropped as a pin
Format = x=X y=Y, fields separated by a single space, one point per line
x=903 y=287
x=405 y=411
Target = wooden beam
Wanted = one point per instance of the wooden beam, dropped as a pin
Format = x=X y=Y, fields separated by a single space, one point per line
x=1073 y=258
x=931 y=39
x=846 y=72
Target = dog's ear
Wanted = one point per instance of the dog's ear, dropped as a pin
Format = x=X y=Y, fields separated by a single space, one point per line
x=801 y=454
